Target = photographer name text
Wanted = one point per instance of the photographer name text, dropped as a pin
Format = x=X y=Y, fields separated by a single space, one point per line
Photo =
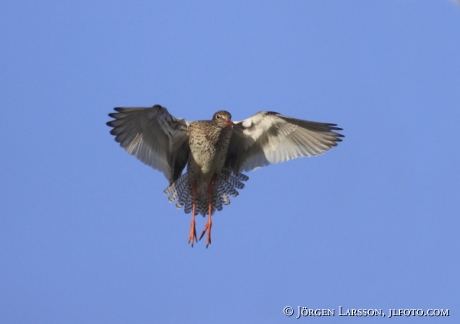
x=302 y=311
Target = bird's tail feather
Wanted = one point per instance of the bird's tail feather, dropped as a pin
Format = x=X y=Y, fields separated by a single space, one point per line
x=225 y=185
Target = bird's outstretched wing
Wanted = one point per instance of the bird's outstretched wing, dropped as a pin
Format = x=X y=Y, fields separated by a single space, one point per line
x=154 y=136
x=269 y=138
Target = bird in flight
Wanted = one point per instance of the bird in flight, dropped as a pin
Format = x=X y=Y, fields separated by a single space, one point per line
x=215 y=152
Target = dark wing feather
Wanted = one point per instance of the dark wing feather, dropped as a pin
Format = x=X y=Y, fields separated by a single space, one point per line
x=269 y=138
x=154 y=136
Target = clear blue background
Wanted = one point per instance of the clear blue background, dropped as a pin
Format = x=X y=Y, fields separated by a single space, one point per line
x=86 y=233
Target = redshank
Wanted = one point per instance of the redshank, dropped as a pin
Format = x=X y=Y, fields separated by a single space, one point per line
x=216 y=151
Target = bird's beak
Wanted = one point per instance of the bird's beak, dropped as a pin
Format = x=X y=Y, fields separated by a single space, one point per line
x=229 y=123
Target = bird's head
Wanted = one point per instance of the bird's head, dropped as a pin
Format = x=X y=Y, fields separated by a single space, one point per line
x=223 y=117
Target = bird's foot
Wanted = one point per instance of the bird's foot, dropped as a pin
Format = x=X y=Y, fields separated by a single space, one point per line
x=192 y=236
x=207 y=228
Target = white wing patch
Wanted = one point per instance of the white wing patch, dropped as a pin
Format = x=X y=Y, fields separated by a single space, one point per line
x=270 y=138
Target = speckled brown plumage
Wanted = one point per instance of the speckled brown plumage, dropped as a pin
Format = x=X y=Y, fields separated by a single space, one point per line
x=215 y=151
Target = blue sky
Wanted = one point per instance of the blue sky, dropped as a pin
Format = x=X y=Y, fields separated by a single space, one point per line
x=86 y=233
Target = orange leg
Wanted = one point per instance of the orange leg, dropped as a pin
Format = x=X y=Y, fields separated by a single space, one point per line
x=192 y=235
x=207 y=227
